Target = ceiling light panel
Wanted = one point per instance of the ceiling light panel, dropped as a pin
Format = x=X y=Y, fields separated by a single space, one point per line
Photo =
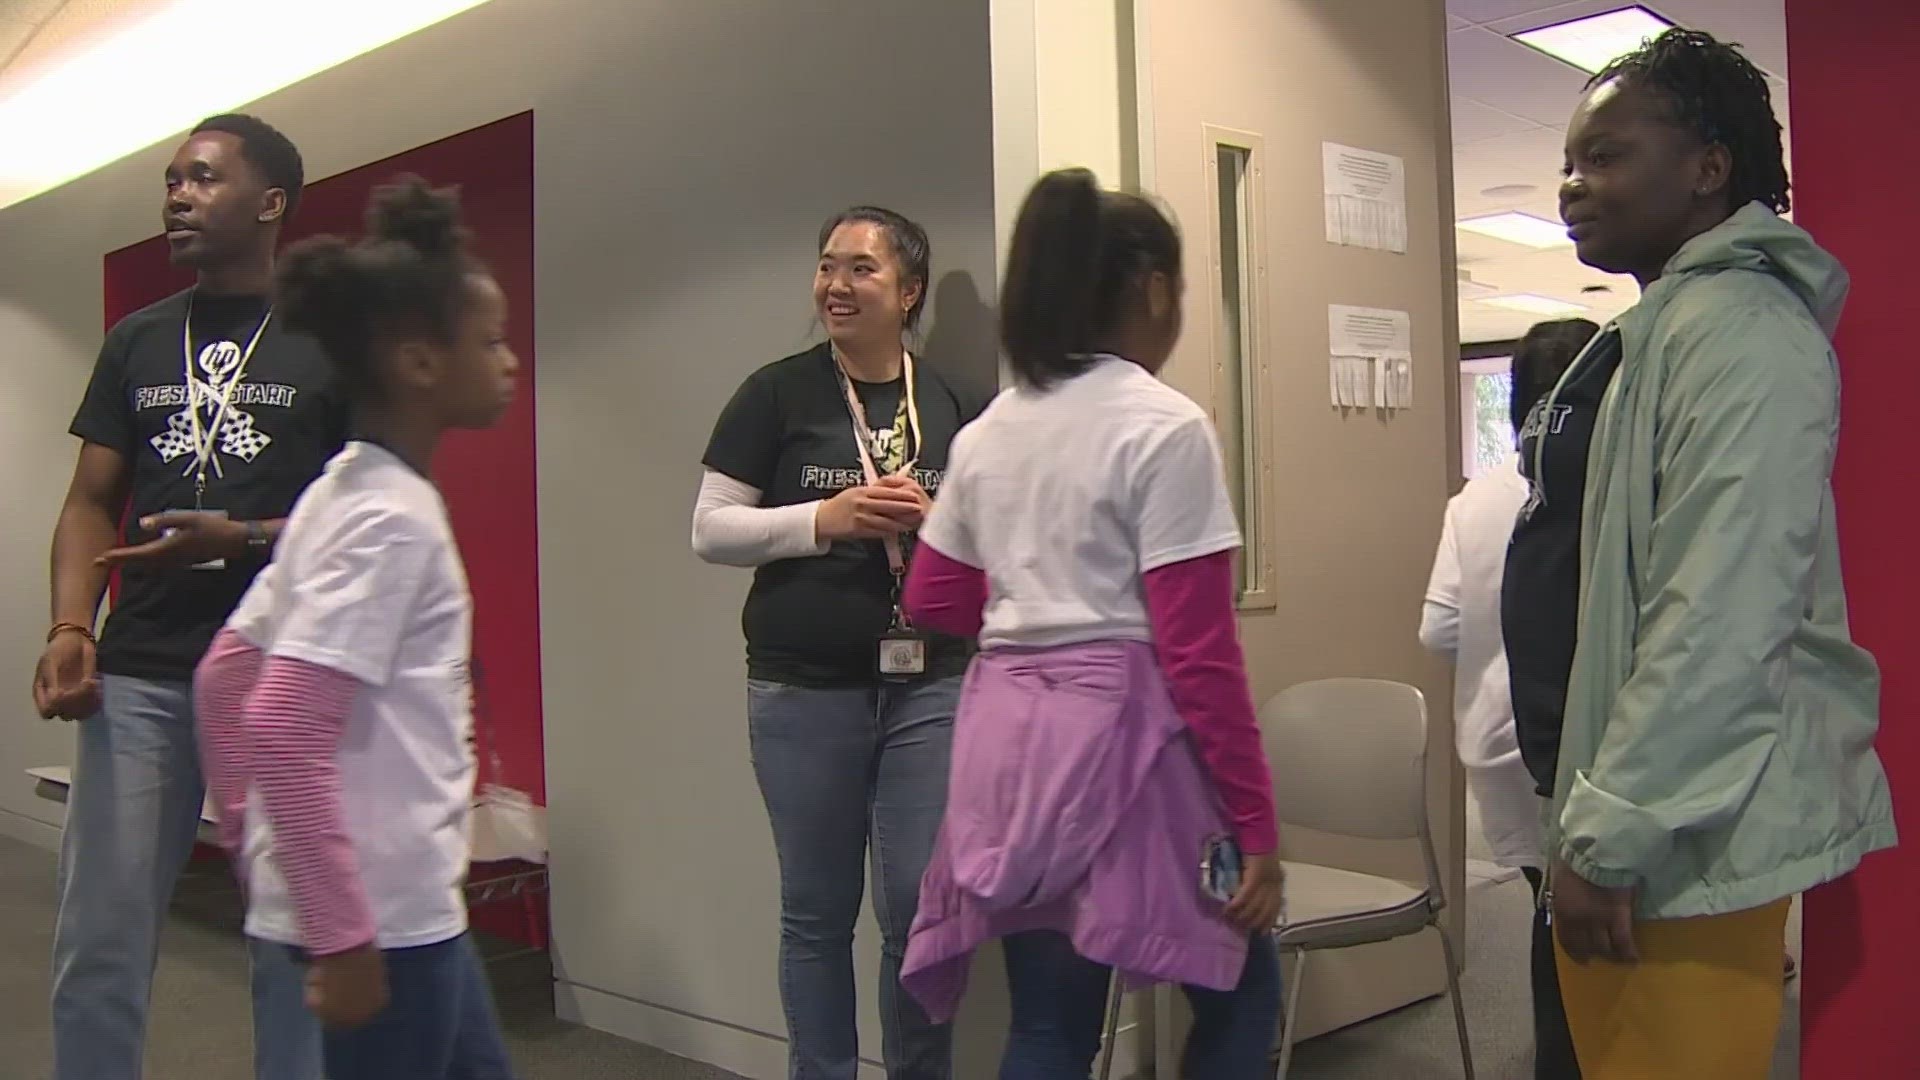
x=80 y=112
x=1514 y=227
x=1593 y=42
x=1534 y=304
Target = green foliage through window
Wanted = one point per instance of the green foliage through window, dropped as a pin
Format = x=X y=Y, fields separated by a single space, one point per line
x=1493 y=429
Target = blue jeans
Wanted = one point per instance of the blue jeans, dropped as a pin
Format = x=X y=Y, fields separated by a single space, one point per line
x=132 y=816
x=845 y=772
x=1059 y=1001
x=439 y=1022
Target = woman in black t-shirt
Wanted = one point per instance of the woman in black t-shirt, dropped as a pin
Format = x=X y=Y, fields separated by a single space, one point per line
x=818 y=473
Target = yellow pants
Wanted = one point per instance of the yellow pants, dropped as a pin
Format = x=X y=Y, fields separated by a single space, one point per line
x=1703 y=1003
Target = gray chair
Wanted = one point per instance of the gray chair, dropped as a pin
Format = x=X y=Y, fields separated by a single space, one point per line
x=1349 y=758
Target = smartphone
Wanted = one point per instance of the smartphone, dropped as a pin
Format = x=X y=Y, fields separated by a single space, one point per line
x=1221 y=868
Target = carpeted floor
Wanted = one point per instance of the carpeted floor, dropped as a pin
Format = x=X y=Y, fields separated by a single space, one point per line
x=199 y=1026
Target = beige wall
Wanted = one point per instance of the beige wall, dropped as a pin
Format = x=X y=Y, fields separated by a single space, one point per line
x=686 y=153
x=1353 y=503
x=1063 y=94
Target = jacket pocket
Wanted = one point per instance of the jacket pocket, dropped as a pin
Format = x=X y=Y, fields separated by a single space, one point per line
x=1039 y=776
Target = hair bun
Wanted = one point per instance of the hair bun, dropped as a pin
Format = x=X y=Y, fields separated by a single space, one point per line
x=319 y=284
x=408 y=211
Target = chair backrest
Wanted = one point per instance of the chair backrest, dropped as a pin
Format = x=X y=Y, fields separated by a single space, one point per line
x=1349 y=757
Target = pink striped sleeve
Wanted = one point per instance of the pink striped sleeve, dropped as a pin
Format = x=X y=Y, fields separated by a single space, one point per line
x=220 y=687
x=294 y=719
x=944 y=594
x=1196 y=633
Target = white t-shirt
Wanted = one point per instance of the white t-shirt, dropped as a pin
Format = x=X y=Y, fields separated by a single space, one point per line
x=1066 y=497
x=1461 y=619
x=1462 y=614
x=366 y=580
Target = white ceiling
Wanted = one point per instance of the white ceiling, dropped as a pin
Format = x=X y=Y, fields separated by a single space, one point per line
x=1510 y=107
x=35 y=32
x=20 y=20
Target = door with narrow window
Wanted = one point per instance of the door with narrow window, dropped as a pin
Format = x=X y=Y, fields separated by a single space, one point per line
x=1340 y=506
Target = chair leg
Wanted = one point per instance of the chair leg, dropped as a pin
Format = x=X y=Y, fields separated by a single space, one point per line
x=1109 y=1038
x=1289 y=1020
x=1459 y=1006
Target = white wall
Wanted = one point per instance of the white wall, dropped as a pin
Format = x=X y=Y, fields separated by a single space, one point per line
x=686 y=154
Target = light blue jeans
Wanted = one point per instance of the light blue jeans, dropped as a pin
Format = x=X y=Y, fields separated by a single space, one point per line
x=845 y=774
x=132 y=816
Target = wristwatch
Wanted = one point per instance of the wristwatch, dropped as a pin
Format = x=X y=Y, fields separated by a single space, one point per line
x=257 y=539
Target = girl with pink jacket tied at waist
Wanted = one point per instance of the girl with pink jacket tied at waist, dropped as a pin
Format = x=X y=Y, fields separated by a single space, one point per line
x=1105 y=741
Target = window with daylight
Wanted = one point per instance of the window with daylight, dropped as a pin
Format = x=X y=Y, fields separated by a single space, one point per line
x=1486 y=427
x=1239 y=363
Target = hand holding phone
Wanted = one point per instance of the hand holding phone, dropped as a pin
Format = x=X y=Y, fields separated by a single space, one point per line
x=1261 y=901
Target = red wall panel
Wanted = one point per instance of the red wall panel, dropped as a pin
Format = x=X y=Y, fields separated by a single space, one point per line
x=1851 y=62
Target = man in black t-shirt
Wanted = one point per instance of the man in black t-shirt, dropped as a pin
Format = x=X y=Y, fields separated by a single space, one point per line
x=202 y=423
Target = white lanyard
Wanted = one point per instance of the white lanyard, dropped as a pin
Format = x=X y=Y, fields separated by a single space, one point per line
x=863 y=435
x=204 y=435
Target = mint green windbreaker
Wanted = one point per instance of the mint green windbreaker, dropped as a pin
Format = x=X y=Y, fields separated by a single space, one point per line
x=1718 y=743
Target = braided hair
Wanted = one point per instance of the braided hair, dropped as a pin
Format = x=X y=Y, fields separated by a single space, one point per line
x=1720 y=96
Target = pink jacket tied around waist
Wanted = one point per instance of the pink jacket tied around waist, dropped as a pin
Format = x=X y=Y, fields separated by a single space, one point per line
x=1078 y=804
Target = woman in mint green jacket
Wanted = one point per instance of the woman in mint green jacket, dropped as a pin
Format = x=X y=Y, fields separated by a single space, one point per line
x=1716 y=755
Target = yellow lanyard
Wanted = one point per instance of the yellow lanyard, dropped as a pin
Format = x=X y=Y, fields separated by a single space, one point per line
x=205 y=434
x=863 y=439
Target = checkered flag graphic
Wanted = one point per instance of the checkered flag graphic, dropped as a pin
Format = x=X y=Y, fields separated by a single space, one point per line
x=177 y=440
x=239 y=438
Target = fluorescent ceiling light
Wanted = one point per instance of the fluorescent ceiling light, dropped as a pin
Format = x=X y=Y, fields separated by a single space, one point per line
x=100 y=104
x=1518 y=228
x=1593 y=42
x=1533 y=304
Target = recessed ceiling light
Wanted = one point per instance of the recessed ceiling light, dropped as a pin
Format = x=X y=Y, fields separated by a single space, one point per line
x=1593 y=42
x=1533 y=304
x=1509 y=191
x=1517 y=228
x=87 y=109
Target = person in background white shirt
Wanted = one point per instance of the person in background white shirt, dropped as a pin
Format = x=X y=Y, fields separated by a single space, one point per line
x=1461 y=621
x=335 y=707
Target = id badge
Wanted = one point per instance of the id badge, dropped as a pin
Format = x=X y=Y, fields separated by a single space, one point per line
x=903 y=655
x=210 y=564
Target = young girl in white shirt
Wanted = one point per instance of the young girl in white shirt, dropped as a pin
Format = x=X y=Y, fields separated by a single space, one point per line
x=334 y=708
x=1106 y=745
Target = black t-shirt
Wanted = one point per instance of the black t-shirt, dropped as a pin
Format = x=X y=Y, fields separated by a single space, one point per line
x=818 y=621
x=1540 y=594
x=283 y=419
